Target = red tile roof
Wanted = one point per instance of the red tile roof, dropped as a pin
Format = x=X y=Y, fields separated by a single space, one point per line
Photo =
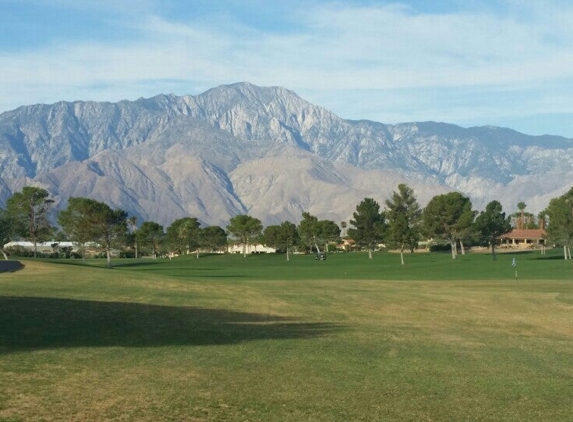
x=525 y=234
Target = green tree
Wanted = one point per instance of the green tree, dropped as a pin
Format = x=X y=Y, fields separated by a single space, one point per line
x=132 y=227
x=183 y=235
x=404 y=216
x=328 y=231
x=271 y=236
x=449 y=217
x=560 y=227
x=521 y=207
x=530 y=222
x=212 y=238
x=4 y=231
x=28 y=214
x=542 y=219
x=151 y=234
x=493 y=223
x=369 y=225
x=522 y=219
x=314 y=232
x=87 y=219
x=282 y=237
x=343 y=226
x=309 y=231
x=245 y=229
x=77 y=221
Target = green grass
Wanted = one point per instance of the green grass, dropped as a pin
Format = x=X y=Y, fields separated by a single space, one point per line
x=531 y=265
x=228 y=338
x=353 y=266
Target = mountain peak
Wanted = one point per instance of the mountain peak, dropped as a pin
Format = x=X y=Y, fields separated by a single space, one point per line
x=174 y=156
x=246 y=91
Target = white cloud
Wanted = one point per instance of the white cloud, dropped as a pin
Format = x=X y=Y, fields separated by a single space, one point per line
x=385 y=49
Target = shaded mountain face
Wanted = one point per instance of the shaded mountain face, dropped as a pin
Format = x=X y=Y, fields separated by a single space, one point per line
x=263 y=151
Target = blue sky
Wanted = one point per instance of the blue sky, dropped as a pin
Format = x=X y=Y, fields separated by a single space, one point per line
x=505 y=63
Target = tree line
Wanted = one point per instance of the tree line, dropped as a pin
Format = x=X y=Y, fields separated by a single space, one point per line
x=448 y=218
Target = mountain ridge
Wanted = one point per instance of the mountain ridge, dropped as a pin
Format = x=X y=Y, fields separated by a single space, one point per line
x=170 y=156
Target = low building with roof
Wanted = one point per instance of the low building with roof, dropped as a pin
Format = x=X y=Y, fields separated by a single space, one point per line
x=524 y=238
x=43 y=247
x=250 y=248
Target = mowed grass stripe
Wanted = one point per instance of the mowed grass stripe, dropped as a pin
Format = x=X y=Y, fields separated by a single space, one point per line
x=531 y=265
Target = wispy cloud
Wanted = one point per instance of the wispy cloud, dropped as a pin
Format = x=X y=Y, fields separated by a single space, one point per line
x=394 y=56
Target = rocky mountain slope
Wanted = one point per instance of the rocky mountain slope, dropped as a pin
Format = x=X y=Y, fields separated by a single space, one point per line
x=263 y=151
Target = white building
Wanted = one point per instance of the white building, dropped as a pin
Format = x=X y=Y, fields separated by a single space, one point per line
x=258 y=248
x=42 y=246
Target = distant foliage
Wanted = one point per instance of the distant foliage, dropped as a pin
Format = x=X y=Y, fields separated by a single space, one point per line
x=492 y=223
x=245 y=229
x=404 y=217
x=86 y=219
x=213 y=238
x=28 y=214
x=152 y=236
x=449 y=218
x=560 y=227
x=369 y=225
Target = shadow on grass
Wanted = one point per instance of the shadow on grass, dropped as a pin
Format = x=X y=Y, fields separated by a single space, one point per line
x=10 y=266
x=28 y=323
x=139 y=263
x=102 y=263
x=513 y=253
x=550 y=257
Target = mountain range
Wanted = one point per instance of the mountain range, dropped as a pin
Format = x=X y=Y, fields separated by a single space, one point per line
x=266 y=152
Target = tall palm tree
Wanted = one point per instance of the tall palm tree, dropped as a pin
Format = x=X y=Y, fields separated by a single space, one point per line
x=132 y=223
x=521 y=206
